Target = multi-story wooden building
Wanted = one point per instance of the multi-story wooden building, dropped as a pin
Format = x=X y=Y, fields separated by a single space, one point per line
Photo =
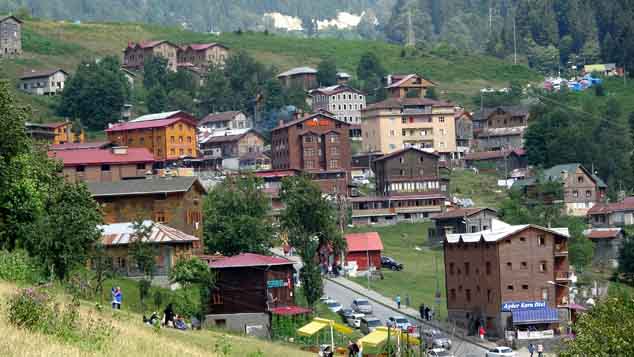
x=408 y=171
x=615 y=214
x=204 y=54
x=102 y=164
x=10 y=37
x=581 y=188
x=460 y=220
x=174 y=201
x=304 y=78
x=500 y=128
x=248 y=289
x=318 y=144
x=508 y=278
x=344 y=102
x=43 y=82
x=408 y=86
x=394 y=209
x=170 y=245
x=464 y=133
x=65 y=133
x=170 y=136
x=224 y=121
x=239 y=145
x=397 y=123
x=135 y=55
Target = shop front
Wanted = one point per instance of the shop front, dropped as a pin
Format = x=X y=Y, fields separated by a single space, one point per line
x=530 y=320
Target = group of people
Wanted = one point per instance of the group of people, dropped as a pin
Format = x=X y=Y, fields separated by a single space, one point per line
x=170 y=319
x=426 y=312
x=539 y=349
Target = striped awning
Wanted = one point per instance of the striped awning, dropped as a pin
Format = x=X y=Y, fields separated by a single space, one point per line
x=535 y=316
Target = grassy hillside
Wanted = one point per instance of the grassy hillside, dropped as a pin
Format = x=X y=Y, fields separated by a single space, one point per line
x=132 y=338
x=63 y=44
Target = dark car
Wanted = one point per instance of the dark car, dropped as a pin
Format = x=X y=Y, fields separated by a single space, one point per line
x=345 y=313
x=387 y=262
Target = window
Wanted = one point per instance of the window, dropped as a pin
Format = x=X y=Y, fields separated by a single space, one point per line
x=310 y=164
x=80 y=168
x=309 y=152
x=181 y=152
x=466 y=268
x=180 y=127
x=575 y=193
x=509 y=287
x=488 y=268
x=130 y=141
x=180 y=139
x=404 y=132
x=541 y=241
x=172 y=140
x=451 y=268
x=159 y=217
x=452 y=294
x=392 y=133
x=468 y=295
x=333 y=164
x=545 y=294
x=524 y=287
x=190 y=152
x=334 y=150
x=105 y=167
x=140 y=166
x=580 y=179
x=172 y=151
x=189 y=139
x=588 y=194
x=216 y=299
x=441 y=119
x=509 y=266
x=522 y=239
x=333 y=138
x=524 y=265
x=489 y=295
x=308 y=139
x=404 y=120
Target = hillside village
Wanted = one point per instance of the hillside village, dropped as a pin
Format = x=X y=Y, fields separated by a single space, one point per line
x=308 y=193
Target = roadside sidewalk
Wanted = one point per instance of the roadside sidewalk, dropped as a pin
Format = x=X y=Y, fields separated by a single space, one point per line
x=411 y=313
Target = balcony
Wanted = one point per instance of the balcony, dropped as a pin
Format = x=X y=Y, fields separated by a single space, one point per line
x=416 y=209
x=562 y=276
x=561 y=250
x=373 y=212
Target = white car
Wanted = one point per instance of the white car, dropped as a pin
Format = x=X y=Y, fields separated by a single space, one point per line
x=398 y=322
x=501 y=351
x=333 y=305
x=355 y=320
x=439 y=352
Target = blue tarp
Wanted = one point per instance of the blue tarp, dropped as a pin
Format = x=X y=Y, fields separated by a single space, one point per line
x=535 y=316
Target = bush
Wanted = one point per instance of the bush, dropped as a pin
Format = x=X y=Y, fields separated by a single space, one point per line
x=186 y=302
x=34 y=309
x=17 y=266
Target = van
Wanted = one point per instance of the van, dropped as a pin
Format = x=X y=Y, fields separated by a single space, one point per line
x=369 y=324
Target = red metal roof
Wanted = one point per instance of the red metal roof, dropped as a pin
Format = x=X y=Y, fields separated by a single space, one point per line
x=605 y=233
x=361 y=242
x=290 y=310
x=605 y=208
x=249 y=260
x=147 y=124
x=102 y=156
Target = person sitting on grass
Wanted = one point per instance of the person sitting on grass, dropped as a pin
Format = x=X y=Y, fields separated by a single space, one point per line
x=179 y=323
x=169 y=316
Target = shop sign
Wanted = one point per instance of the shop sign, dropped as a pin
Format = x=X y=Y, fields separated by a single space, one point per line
x=523 y=305
x=277 y=283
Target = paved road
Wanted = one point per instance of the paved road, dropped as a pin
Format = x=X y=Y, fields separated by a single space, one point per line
x=345 y=296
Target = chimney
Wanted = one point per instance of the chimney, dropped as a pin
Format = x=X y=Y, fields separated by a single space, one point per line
x=120 y=150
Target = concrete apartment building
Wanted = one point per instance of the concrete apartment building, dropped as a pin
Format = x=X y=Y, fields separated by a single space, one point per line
x=224 y=121
x=10 y=37
x=502 y=279
x=135 y=54
x=43 y=82
x=397 y=123
x=318 y=144
x=344 y=102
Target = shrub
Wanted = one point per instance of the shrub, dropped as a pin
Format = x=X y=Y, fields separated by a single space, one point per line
x=29 y=308
x=19 y=267
x=186 y=302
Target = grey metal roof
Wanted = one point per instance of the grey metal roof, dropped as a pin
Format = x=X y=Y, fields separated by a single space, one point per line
x=144 y=186
x=123 y=233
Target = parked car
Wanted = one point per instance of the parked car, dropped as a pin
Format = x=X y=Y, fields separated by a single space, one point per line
x=369 y=324
x=325 y=298
x=361 y=305
x=436 y=339
x=500 y=351
x=398 y=322
x=355 y=320
x=345 y=313
x=333 y=305
x=439 y=352
x=360 y=180
x=387 y=262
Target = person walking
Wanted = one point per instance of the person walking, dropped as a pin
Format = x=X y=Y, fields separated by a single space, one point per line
x=421 y=309
x=398 y=301
x=481 y=332
x=117 y=297
x=540 y=350
x=353 y=349
x=427 y=313
x=531 y=349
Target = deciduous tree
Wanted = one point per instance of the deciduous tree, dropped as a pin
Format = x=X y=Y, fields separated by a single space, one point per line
x=327 y=72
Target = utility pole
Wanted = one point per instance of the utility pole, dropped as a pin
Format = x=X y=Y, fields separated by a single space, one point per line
x=490 y=19
x=411 y=36
x=514 y=42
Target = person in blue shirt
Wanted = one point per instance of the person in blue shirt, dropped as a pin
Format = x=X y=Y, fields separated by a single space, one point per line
x=117 y=297
x=398 y=301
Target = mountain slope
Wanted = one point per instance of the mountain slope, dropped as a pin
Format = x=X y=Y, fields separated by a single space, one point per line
x=65 y=45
